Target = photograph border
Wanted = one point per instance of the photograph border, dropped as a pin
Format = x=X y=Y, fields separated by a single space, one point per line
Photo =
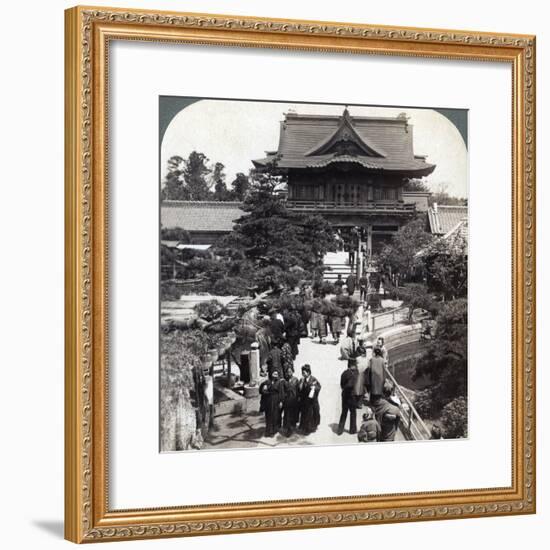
x=88 y=33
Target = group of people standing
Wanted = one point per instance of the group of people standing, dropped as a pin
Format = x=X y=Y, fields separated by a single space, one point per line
x=288 y=402
x=364 y=382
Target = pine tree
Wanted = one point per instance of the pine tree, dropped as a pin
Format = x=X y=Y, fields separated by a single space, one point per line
x=195 y=174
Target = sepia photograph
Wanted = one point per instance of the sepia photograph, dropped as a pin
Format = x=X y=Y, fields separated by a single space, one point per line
x=313 y=267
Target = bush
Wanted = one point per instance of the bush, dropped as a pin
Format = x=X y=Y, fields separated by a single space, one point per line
x=170 y=291
x=454 y=418
x=230 y=286
x=210 y=310
x=424 y=404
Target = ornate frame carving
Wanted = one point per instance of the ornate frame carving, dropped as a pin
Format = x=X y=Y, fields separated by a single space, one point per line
x=88 y=31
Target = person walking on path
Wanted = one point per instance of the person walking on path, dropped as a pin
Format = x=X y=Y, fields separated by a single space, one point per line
x=362 y=365
x=347 y=347
x=363 y=287
x=375 y=376
x=271 y=403
x=350 y=284
x=349 y=403
x=336 y=326
x=291 y=403
x=339 y=283
x=308 y=392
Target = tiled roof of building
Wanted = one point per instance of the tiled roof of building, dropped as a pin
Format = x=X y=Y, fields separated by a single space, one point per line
x=380 y=143
x=200 y=215
x=443 y=218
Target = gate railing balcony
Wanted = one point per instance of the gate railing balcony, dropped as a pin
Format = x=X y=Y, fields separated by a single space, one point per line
x=372 y=206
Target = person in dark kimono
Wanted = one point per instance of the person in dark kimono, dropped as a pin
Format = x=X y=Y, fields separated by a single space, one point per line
x=375 y=376
x=308 y=392
x=291 y=403
x=275 y=362
x=339 y=283
x=350 y=284
x=271 y=403
x=293 y=329
x=349 y=401
x=277 y=328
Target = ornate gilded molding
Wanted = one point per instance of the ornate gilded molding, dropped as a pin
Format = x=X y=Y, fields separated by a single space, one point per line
x=525 y=118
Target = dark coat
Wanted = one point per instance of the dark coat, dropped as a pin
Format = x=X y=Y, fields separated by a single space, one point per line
x=310 y=414
x=271 y=400
x=350 y=283
x=375 y=376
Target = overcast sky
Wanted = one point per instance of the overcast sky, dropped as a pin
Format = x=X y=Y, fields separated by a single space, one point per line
x=234 y=132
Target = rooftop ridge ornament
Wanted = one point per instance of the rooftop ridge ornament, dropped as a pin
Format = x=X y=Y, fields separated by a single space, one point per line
x=345 y=139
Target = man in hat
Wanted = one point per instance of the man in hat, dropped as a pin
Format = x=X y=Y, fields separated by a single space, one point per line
x=349 y=401
x=308 y=393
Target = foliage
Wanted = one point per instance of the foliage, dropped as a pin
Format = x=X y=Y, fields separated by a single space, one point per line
x=454 y=418
x=416 y=185
x=174 y=188
x=230 y=286
x=210 y=310
x=416 y=296
x=221 y=193
x=170 y=291
x=176 y=378
x=445 y=362
x=425 y=404
x=239 y=187
x=175 y=234
x=441 y=196
x=187 y=179
x=447 y=266
x=401 y=254
x=269 y=233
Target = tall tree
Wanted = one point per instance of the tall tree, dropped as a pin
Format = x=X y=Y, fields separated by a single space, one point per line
x=195 y=174
x=174 y=183
x=401 y=254
x=221 y=192
x=447 y=265
x=445 y=362
x=240 y=186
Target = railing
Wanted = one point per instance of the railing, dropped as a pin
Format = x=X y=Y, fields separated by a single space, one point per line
x=388 y=319
x=412 y=425
x=378 y=206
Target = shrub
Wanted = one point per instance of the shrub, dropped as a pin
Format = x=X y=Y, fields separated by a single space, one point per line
x=230 y=286
x=170 y=291
x=210 y=310
x=454 y=418
x=423 y=403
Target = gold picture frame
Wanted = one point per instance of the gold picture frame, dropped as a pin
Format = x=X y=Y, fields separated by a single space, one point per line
x=88 y=32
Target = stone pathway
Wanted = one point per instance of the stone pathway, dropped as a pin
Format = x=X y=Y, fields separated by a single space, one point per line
x=246 y=430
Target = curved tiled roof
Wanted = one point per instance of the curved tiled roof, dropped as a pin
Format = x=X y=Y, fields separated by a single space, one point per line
x=389 y=138
x=443 y=218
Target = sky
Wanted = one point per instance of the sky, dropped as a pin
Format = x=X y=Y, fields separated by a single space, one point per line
x=235 y=132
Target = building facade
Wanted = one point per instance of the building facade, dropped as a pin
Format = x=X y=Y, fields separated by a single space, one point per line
x=351 y=170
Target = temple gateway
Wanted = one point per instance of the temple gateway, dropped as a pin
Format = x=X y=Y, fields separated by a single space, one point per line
x=351 y=170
